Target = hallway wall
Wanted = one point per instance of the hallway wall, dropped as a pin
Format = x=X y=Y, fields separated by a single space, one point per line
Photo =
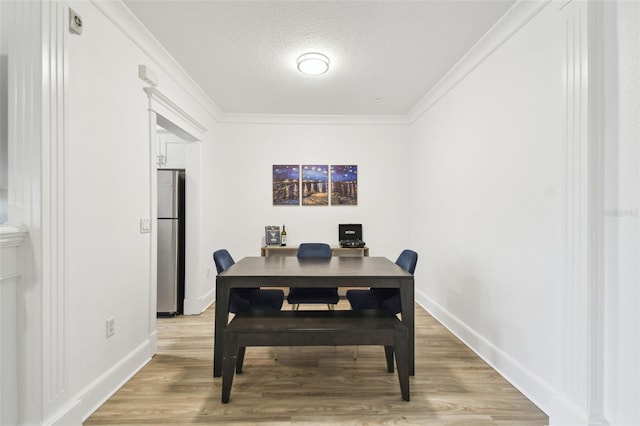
x=621 y=210
x=512 y=216
x=488 y=221
x=85 y=259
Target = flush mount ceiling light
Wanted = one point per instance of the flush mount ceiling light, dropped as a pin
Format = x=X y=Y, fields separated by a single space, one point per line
x=313 y=63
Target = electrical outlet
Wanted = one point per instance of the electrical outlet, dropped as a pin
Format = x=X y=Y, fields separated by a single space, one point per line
x=111 y=326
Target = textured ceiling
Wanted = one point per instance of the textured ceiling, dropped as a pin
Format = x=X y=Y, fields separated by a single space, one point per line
x=385 y=55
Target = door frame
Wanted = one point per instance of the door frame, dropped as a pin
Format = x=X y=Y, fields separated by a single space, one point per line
x=178 y=121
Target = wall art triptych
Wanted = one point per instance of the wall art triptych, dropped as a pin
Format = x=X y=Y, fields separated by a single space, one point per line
x=315 y=185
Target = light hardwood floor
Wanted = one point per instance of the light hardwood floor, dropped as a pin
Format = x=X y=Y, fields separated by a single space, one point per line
x=315 y=385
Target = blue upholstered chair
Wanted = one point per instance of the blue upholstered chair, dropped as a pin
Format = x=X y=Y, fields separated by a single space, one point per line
x=387 y=299
x=328 y=296
x=246 y=299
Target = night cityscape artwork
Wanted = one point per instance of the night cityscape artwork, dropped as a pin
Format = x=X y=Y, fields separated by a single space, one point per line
x=315 y=185
x=286 y=184
x=344 y=185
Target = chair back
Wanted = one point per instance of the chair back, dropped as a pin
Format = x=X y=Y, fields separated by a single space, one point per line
x=316 y=250
x=222 y=259
x=408 y=260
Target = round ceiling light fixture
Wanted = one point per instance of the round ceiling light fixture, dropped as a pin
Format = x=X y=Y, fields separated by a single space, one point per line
x=313 y=63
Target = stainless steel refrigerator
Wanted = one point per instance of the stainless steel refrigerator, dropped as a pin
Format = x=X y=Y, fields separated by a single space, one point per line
x=171 y=227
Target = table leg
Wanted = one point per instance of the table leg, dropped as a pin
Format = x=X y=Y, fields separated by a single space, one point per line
x=401 y=345
x=388 y=353
x=229 y=365
x=408 y=318
x=221 y=319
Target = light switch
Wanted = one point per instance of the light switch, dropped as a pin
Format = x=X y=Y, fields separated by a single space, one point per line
x=145 y=226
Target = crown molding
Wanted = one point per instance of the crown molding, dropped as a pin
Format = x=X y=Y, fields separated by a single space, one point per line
x=508 y=25
x=304 y=119
x=161 y=103
x=514 y=19
x=120 y=15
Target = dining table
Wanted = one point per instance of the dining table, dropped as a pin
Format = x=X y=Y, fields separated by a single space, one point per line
x=289 y=271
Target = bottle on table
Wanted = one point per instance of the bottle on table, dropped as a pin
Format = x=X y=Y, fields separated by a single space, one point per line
x=283 y=237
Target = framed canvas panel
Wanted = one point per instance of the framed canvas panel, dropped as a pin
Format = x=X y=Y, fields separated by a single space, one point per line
x=286 y=184
x=315 y=185
x=344 y=185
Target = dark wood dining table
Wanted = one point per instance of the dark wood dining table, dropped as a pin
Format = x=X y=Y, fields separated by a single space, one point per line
x=290 y=272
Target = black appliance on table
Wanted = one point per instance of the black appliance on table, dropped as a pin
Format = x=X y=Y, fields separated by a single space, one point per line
x=350 y=235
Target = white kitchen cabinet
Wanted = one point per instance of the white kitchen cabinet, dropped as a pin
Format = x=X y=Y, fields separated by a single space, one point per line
x=171 y=151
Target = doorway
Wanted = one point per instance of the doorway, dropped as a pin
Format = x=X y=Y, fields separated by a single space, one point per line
x=174 y=139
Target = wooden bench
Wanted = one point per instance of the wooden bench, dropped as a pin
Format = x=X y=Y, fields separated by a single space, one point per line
x=315 y=328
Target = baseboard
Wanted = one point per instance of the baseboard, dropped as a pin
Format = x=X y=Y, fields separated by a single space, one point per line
x=560 y=409
x=153 y=342
x=85 y=402
x=566 y=413
x=200 y=304
x=532 y=386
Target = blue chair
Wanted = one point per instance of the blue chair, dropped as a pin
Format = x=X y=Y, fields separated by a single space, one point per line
x=247 y=299
x=328 y=296
x=387 y=299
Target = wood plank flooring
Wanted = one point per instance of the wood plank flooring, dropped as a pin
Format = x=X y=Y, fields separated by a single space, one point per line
x=315 y=385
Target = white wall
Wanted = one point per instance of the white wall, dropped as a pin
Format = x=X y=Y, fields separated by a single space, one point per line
x=108 y=174
x=108 y=192
x=4 y=114
x=622 y=233
x=243 y=180
x=487 y=216
x=506 y=221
